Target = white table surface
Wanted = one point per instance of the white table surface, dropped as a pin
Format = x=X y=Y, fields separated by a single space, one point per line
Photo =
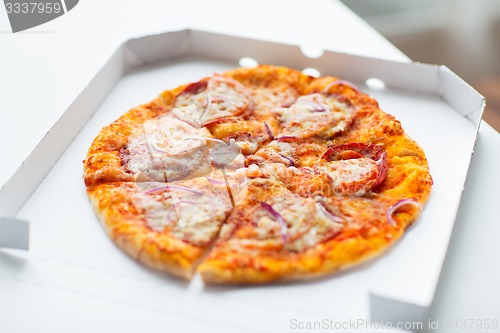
x=44 y=69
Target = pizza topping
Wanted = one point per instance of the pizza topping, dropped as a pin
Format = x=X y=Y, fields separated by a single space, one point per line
x=342 y=83
x=204 y=139
x=224 y=154
x=192 y=213
x=394 y=208
x=215 y=98
x=161 y=152
x=351 y=177
x=267 y=98
x=173 y=187
x=249 y=135
x=208 y=102
x=315 y=114
x=221 y=153
x=278 y=217
x=300 y=119
x=188 y=114
x=275 y=152
x=268 y=131
x=310 y=101
x=285 y=222
x=196 y=87
x=215 y=181
x=274 y=224
x=232 y=182
x=363 y=164
x=329 y=215
x=345 y=172
x=168 y=135
x=289 y=159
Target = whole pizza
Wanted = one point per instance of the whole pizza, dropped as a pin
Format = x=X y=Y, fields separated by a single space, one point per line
x=256 y=175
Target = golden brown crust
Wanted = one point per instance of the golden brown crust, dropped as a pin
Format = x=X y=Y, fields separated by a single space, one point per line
x=125 y=224
x=110 y=185
x=103 y=163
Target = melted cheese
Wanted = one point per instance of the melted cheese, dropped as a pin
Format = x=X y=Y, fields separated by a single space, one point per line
x=223 y=97
x=275 y=152
x=307 y=116
x=351 y=177
x=268 y=99
x=343 y=114
x=161 y=152
x=194 y=218
x=315 y=114
x=306 y=226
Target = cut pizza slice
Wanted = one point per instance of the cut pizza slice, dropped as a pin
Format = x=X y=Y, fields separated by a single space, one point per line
x=166 y=226
x=284 y=236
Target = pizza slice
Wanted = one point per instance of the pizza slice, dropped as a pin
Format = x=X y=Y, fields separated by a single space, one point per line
x=168 y=226
x=278 y=235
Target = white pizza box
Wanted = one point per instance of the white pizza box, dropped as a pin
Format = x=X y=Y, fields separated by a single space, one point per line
x=69 y=250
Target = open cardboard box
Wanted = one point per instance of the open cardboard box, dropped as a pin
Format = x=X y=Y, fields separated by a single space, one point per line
x=436 y=108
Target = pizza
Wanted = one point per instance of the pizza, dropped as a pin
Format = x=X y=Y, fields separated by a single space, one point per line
x=256 y=175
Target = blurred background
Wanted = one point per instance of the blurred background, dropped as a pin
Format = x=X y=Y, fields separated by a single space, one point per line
x=461 y=34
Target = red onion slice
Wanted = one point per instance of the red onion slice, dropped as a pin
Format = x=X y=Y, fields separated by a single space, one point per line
x=307 y=170
x=187 y=202
x=170 y=219
x=268 y=130
x=285 y=137
x=279 y=218
x=315 y=107
x=208 y=101
x=173 y=187
x=203 y=138
x=215 y=181
x=289 y=159
x=331 y=216
x=186 y=120
x=398 y=205
x=155 y=147
x=342 y=82
x=152 y=145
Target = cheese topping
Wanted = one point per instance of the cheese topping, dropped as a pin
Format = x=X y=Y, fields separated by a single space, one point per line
x=275 y=152
x=160 y=151
x=218 y=98
x=306 y=226
x=193 y=217
x=268 y=99
x=315 y=114
x=249 y=135
x=350 y=177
